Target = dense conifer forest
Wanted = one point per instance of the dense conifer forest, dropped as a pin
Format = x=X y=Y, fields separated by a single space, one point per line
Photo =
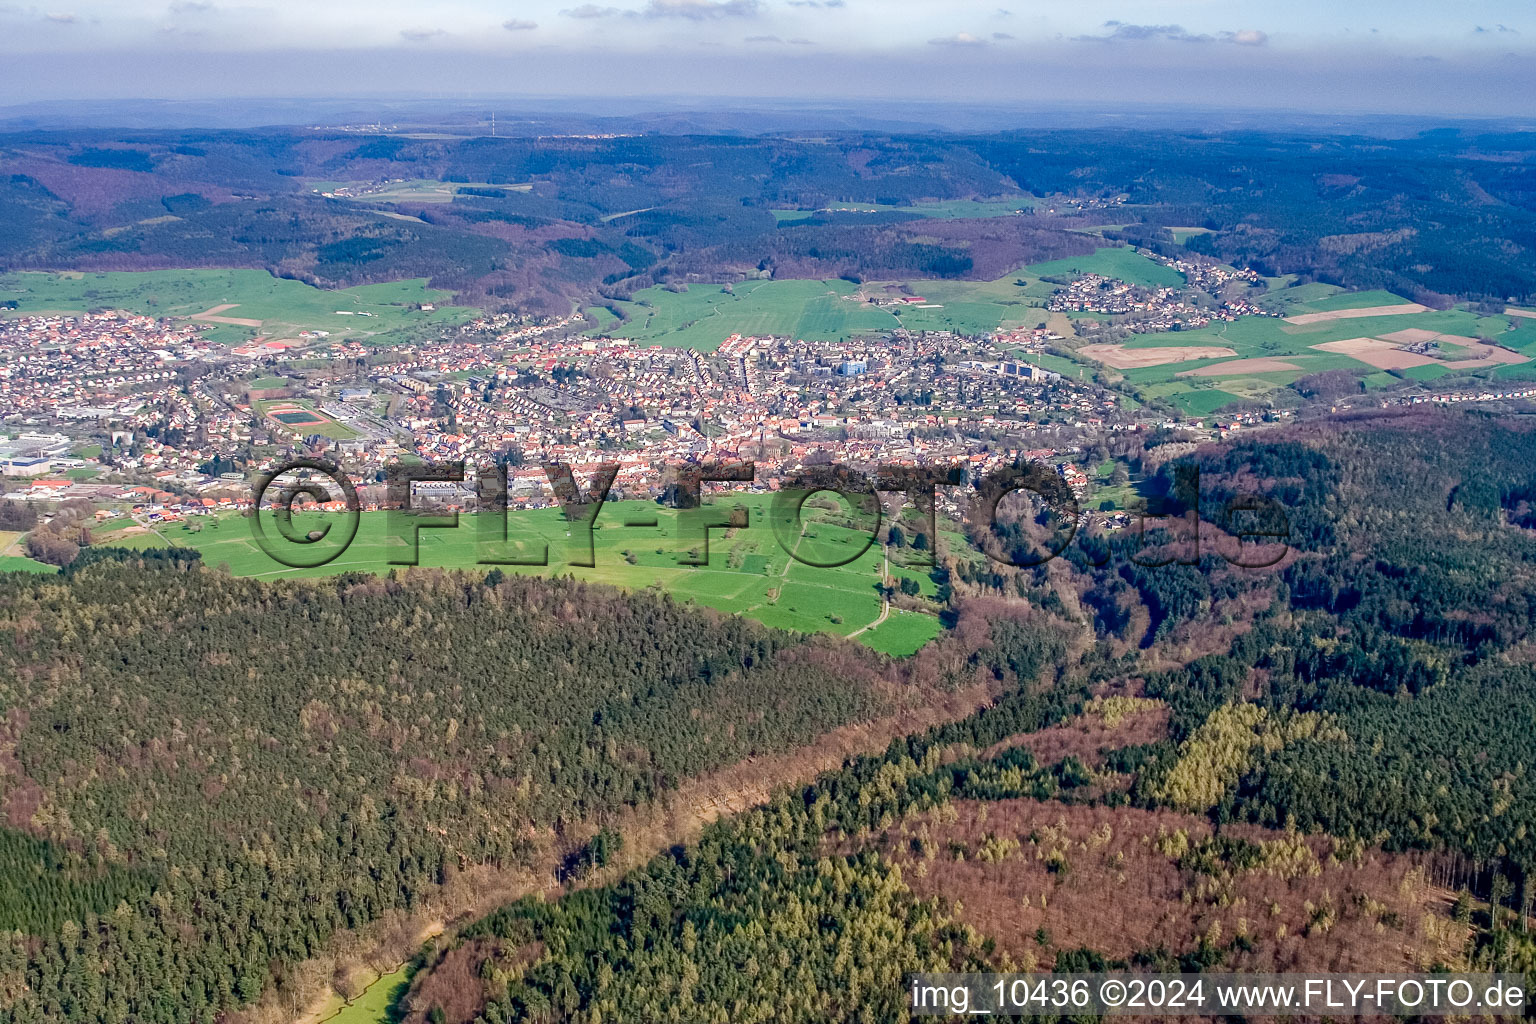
x=203 y=778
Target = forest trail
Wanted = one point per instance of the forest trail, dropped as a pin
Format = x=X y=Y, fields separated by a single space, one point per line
x=679 y=819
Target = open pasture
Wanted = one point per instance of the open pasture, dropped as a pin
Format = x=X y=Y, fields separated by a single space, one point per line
x=1400 y=309
x=828 y=310
x=240 y=305
x=748 y=572
x=705 y=315
x=1118 y=262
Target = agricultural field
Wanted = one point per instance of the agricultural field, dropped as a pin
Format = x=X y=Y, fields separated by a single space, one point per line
x=705 y=315
x=239 y=306
x=1341 y=300
x=13 y=555
x=748 y=572
x=1254 y=357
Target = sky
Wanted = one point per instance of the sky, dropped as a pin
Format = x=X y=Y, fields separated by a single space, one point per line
x=1463 y=57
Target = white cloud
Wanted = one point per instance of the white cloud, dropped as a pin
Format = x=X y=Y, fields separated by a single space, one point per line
x=701 y=10
x=1246 y=37
x=958 y=39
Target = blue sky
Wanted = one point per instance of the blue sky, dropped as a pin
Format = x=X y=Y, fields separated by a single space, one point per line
x=1466 y=56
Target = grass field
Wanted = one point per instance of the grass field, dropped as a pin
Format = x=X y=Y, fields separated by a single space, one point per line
x=706 y=315
x=1298 y=298
x=902 y=634
x=20 y=563
x=1182 y=235
x=748 y=571
x=284 y=307
x=13 y=556
x=372 y=1006
x=1125 y=264
x=1354 y=300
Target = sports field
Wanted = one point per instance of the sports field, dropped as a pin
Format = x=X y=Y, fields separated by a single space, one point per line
x=748 y=571
x=251 y=304
x=301 y=416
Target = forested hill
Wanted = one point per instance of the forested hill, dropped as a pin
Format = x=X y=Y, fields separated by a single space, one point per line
x=203 y=778
x=1408 y=620
x=537 y=223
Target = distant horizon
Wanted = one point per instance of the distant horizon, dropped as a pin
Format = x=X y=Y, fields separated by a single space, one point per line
x=671 y=113
x=1473 y=59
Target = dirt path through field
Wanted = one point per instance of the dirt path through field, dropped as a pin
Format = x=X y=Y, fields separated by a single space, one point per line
x=211 y=316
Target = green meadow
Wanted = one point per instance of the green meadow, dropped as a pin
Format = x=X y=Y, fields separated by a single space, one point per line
x=748 y=571
x=1182 y=235
x=374 y=1005
x=284 y=307
x=21 y=563
x=903 y=633
x=705 y=315
x=1126 y=264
